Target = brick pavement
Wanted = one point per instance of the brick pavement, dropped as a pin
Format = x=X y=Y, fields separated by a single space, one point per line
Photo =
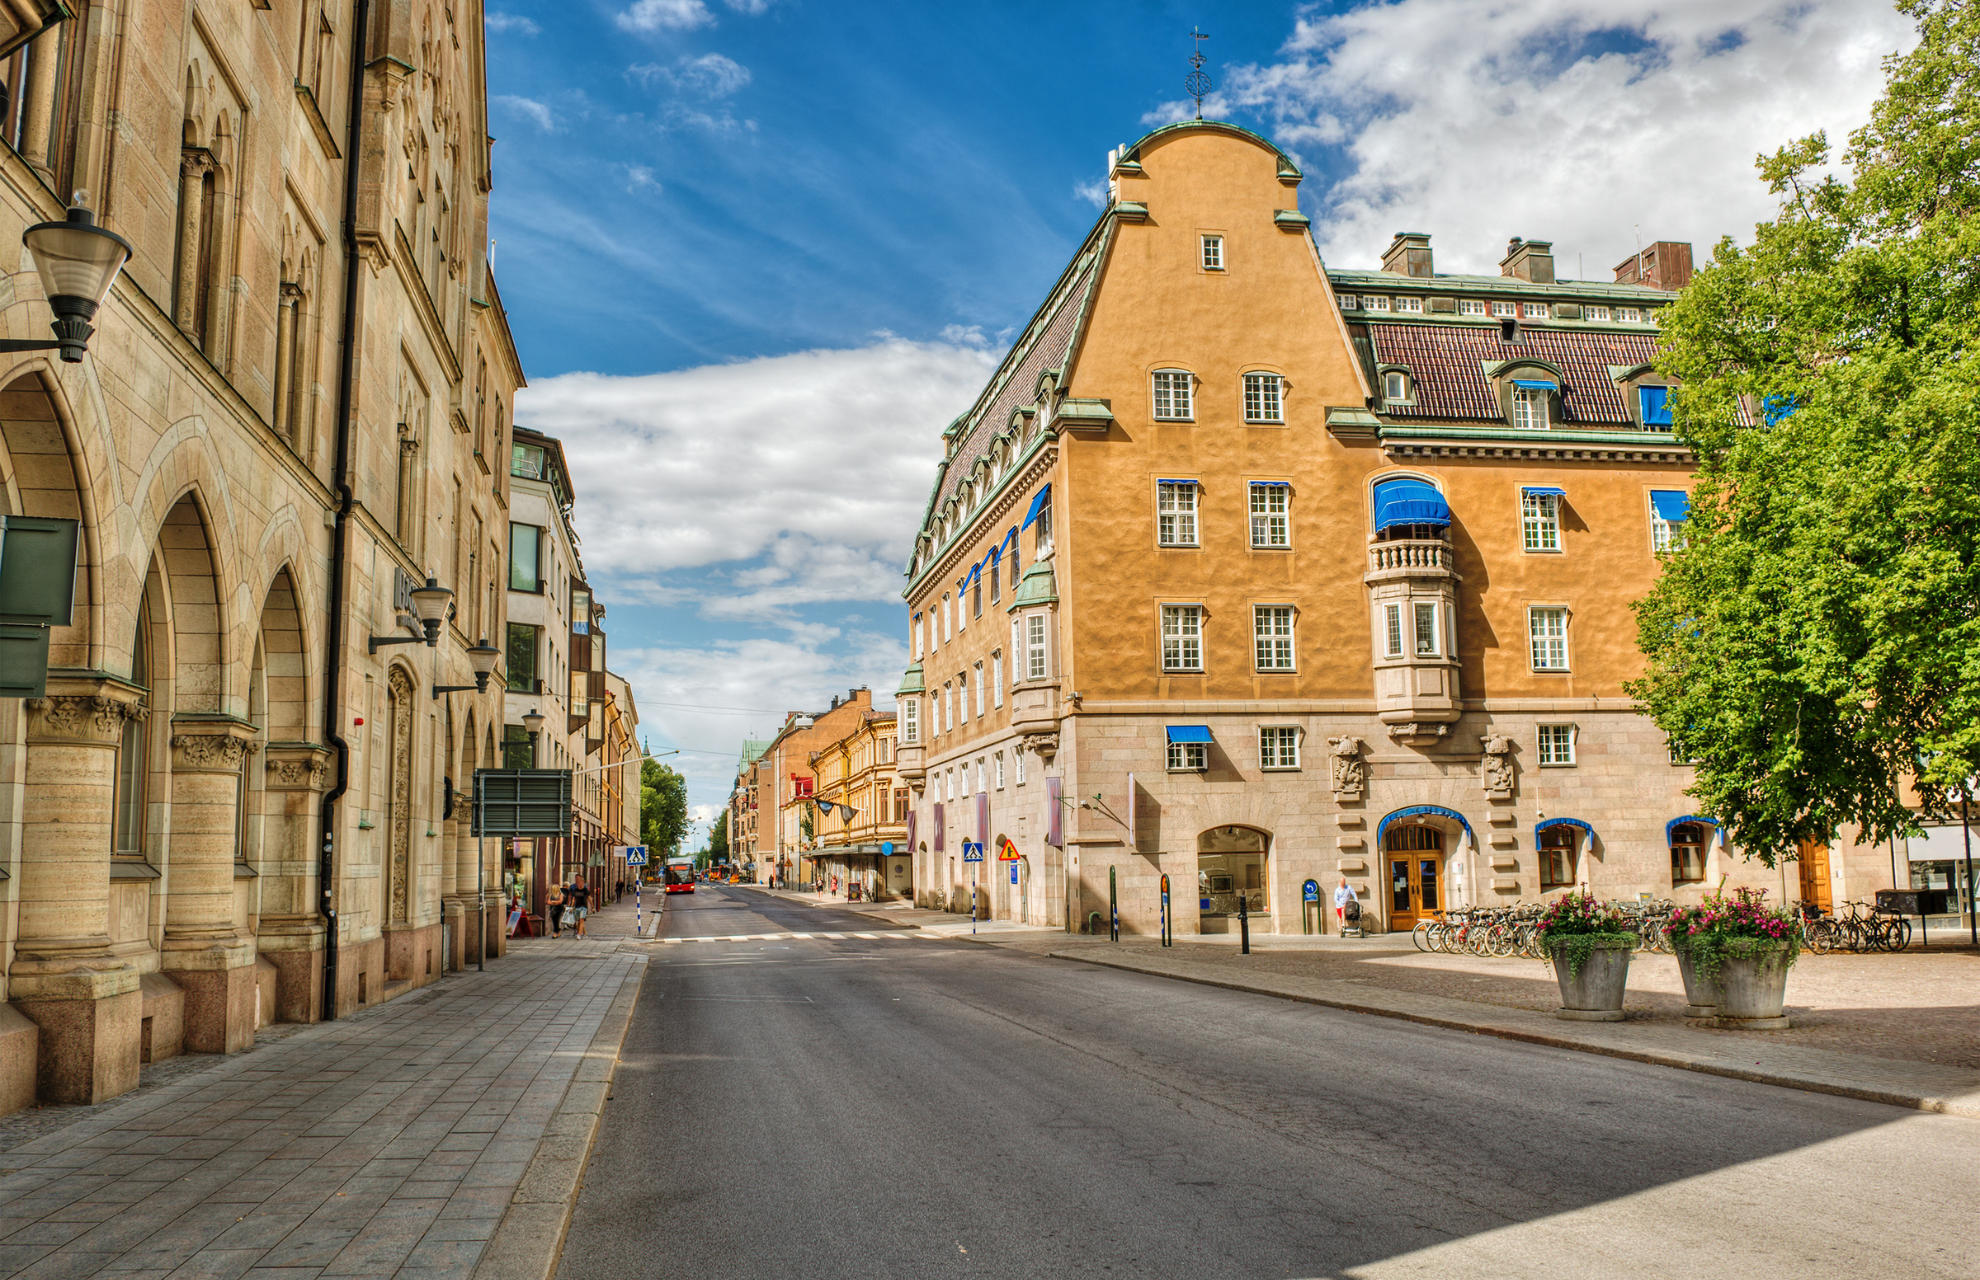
x=388 y=1143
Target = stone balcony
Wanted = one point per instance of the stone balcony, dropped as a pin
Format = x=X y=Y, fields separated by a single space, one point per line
x=1036 y=706
x=1416 y=694
x=1410 y=558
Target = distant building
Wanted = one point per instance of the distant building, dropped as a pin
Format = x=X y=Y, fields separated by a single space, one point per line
x=860 y=815
x=1248 y=573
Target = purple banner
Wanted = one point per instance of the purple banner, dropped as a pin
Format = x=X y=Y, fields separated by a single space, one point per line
x=983 y=818
x=938 y=828
x=912 y=815
x=1054 y=832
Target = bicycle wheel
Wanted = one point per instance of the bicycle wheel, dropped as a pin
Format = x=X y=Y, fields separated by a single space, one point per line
x=1821 y=937
x=1505 y=940
x=1900 y=934
x=1420 y=935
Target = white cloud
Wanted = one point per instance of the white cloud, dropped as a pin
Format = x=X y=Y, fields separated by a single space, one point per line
x=1094 y=193
x=753 y=8
x=666 y=15
x=640 y=177
x=512 y=22
x=529 y=108
x=784 y=481
x=709 y=76
x=1571 y=120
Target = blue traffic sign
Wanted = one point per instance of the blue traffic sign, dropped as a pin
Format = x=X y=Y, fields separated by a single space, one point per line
x=635 y=855
x=972 y=851
x=1310 y=891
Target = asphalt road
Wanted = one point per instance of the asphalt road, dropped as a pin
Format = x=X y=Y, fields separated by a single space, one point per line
x=812 y=1109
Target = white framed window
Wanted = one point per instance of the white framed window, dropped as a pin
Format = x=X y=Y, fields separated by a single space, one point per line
x=1175 y=513
x=1264 y=398
x=1393 y=630
x=1278 y=746
x=1540 y=521
x=1536 y=311
x=949 y=783
x=1374 y=304
x=1017 y=652
x=998 y=759
x=1470 y=307
x=948 y=619
x=1395 y=386
x=1410 y=304
x=1628 y=315
x=1182 y=637
x=962 y=697
x=1272 y=629
x=997 y=678
x=1041 y=538
x=1505 y=310
x=1530 y=408
x=962 y=610
x=978 y=690
x=910 y=721
x=1188 y=757
x=1665 y=535
x=1175 y=395
x=1271 y=523
x=1556 y=744
x=982 y=774
x=1020 y=766
x=1349 y=302
x=1424 y=613
x=914 y=633
x=1213 y=253
x=948 y=707
x=1034 y=647
x=1547 y=629
x=1600 y=314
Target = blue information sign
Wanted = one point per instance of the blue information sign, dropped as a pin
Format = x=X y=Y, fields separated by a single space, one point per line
x=635 y=855
x=972 y=851
x=1310 y=891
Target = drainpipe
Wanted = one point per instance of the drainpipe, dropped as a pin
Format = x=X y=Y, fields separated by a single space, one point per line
x=333 y=666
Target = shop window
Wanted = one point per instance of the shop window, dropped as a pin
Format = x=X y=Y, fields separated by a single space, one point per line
x=1557 y=857
x=1688 y=853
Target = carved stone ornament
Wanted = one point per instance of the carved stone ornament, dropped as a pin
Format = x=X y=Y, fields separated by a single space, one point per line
x=80 y=717
x=1418 y=732
x=1045 y=745
x=294 y=773
x=1496 y=768
x=209 y=752
x=1350 y=771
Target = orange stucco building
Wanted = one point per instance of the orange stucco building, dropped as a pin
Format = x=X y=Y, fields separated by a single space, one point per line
x=1248 y=573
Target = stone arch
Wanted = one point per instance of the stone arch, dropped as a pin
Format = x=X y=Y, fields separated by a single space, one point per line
x=400 y=792
x=41 y=467
x=1233 y=866
x=283 y=663
x=199 y=640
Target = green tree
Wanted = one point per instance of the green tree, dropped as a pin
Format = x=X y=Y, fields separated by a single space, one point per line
x=718 y=840
x=1817 y=639
x=662 y=808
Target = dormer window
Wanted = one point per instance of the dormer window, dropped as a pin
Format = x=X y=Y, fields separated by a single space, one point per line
x=1213 y=253
x=1535 y=311
x=1470 y=307
x=1505 y=310
x=1349 y=302
x=1532 y=402
x=1598 y=314
x=1654 y=403
x=1396 y=387
x=1628 y=315
x=1374 y=304
x=1410 y=304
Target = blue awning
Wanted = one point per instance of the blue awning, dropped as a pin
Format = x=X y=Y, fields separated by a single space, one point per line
x=1538 y=827
x=1543 y=490
x=974 y=571
x=1435 y=810
x=1010 y=539
x=1672 y=506
x=1656 y=403
x=1037 y=505
x=1189 y=733
x=1774 y=408
x=1675 y=823
x=1536 y=384
x=1271 y=484
x=1409 y=502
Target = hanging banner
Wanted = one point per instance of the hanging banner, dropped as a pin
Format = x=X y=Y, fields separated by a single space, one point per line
x=983 y=817
x=938 y=829
x=912 y=815
x=1054 y=829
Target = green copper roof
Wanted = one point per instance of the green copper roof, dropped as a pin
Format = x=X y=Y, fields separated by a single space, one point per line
x=911 y=681
x=1038 y=586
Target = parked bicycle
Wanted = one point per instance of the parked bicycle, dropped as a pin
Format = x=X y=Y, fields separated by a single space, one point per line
x=1859 y=929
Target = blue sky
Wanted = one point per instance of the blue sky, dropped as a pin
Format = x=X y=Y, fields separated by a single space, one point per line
x=757 y=253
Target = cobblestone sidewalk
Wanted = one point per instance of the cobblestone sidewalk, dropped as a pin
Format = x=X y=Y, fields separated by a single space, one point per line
x=386 y=1144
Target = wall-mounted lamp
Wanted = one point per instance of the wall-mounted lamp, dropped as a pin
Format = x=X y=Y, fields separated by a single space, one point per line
x=483 y=657
x=430 y=604
x=78 y=261
x=533 y=725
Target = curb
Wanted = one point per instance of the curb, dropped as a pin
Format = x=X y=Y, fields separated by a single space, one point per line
x=1964 y=1104
x=530 y=1239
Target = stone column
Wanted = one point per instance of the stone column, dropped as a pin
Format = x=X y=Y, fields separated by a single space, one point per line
x=457 y=878
x=292 y=925
x=38 y=104
x=285 y=361
x=205 y=951
x=64 y=975
x=193 y=168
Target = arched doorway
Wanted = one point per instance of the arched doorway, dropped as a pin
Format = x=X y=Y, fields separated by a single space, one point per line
x=1231 y=869
x=1413 y=861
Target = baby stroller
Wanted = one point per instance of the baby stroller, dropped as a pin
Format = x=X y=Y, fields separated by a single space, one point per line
x=1351 y=919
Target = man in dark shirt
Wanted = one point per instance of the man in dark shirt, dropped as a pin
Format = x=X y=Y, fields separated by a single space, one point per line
x=577 y=903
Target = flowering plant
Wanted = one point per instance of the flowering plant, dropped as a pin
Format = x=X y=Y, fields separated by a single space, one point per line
x=1577 y=924
x=1741 y=926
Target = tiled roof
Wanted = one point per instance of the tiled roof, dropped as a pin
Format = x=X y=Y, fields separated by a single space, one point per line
x=1448 y=367
x=1020 y=384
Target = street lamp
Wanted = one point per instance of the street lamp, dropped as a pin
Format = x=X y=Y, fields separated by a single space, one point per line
x=483 y=657
x=533 y=725
x=78 y=261
x=430 y=606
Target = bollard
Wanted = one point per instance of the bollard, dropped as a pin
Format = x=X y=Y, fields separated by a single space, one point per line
x=1244 y=925
x=1113 y=909
x=1168 y=938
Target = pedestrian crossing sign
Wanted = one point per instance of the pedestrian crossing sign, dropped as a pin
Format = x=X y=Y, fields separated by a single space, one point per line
x=972 y=851
x=635 y=855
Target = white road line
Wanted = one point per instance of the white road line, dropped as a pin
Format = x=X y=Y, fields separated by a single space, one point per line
x=870 y=937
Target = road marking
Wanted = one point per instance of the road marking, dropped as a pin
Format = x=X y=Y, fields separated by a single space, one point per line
x=904 y=935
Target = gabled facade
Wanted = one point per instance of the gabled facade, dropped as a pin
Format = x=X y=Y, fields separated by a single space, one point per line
x=1243 y=573
x=859 y=814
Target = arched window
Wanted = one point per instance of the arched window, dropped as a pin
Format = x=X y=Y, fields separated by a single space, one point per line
x=1688 y=841
x=1410 y=507
x=132 y=754
x=1557 y=857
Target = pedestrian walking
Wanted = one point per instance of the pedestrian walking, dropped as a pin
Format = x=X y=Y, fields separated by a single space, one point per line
x=1344 y=894
x=579 y=898
x=556 y=907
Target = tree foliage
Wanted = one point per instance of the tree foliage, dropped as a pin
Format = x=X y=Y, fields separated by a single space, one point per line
x=718 y=840
x=663 y=818
x=1815 y=643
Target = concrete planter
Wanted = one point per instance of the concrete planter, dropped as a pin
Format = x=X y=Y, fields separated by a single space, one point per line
x=1594 y=993
x=1753 y=989
x=1701 y=993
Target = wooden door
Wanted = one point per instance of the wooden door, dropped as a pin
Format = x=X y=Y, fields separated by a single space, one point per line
x=1414 y=857
x=1815 y=875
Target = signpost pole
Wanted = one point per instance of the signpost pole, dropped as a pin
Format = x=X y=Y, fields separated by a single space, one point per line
x=1167 y=939
x=1244 y=923
x=1113 y=908
x=1966 y=829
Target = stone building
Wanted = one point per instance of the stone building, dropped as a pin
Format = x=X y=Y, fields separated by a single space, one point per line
x=743 y=811
x=779 y=781
x=1246 y=573
x=859 y=814
x=238 y=802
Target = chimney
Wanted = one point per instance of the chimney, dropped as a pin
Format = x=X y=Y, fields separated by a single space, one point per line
x=1529 y=260
x=835 y=703
x=1664 y=265
x=852 y=695
x=1408 y=255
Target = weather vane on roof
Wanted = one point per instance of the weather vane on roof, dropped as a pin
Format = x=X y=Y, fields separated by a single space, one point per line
x=1197 y=83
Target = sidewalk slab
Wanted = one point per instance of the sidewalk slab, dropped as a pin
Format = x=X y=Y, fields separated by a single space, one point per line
x=1920 y=1086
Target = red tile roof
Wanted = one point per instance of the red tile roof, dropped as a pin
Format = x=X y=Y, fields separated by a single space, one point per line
x=1447 y=365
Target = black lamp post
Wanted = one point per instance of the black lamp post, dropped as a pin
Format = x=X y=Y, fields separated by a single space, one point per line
x=533 y=724
x=430 y=605
x=78 y=261
x=483 y=656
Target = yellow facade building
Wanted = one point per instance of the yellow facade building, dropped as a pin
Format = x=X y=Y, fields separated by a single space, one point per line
x=1255 y=575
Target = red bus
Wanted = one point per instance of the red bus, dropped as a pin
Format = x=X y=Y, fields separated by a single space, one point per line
x=679 y=875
